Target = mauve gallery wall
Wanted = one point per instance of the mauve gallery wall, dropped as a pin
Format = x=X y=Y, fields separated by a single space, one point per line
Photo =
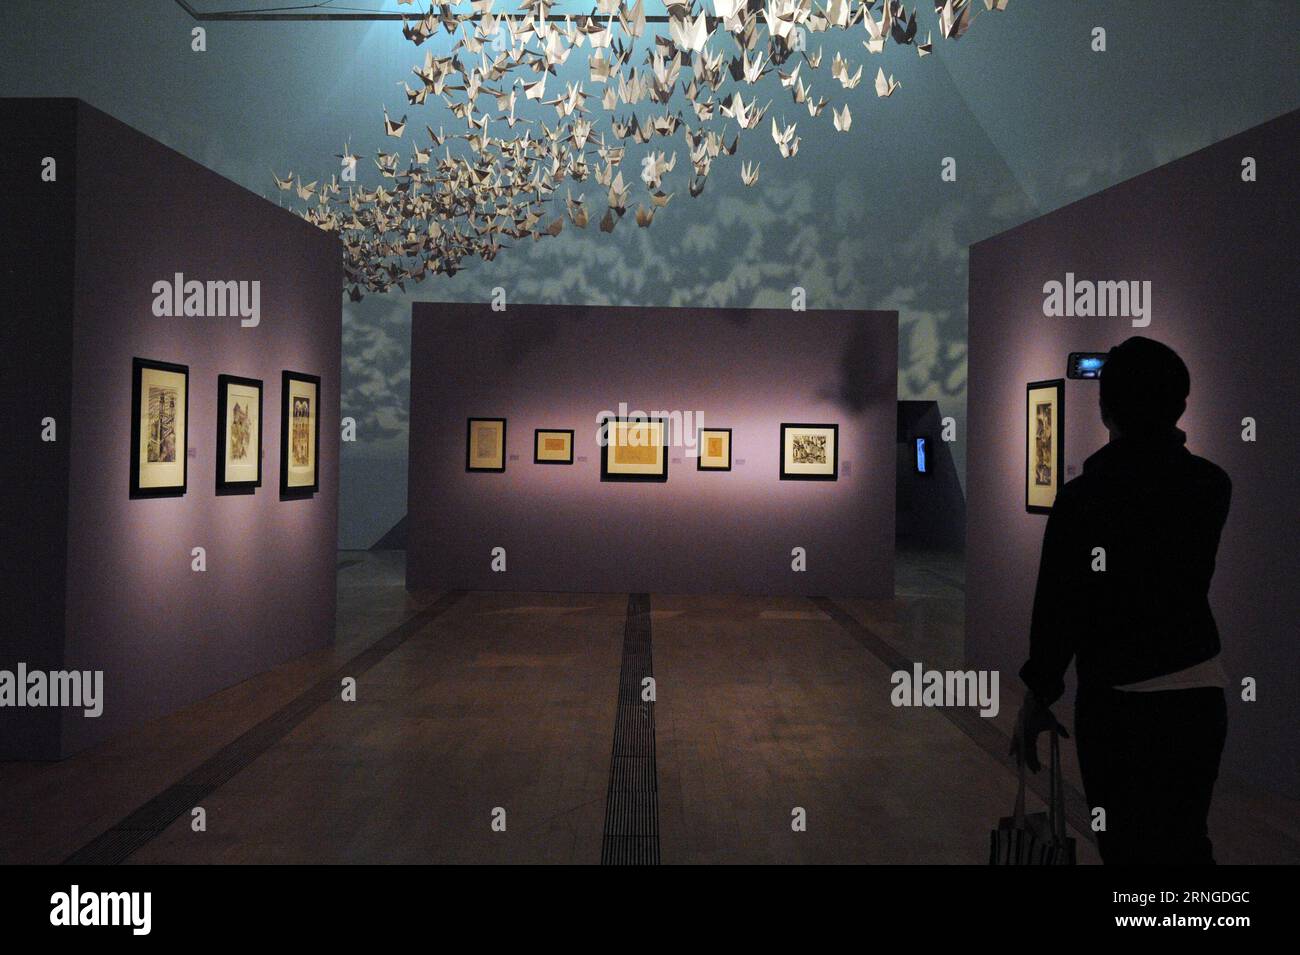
x=163 y=634
x=35 y=341
x=564 y=529
x=1220 y=254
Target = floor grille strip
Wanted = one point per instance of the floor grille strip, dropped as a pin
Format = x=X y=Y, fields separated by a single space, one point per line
x=982 y=731
x=151 y=819
x=631 y=834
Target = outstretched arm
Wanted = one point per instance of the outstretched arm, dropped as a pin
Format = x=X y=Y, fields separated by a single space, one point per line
x=1051 y=640
x=1052 y=627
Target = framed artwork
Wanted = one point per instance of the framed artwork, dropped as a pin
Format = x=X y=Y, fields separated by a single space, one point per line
x=552 y=446
x=299 y=434
x=636 y=449
x=810 y=452
x=160 y=405
x=714 y=450
x=485 y=444
x=239 y=433
x=1044 y=443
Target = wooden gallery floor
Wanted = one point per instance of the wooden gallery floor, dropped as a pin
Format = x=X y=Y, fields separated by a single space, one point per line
x=478 y=707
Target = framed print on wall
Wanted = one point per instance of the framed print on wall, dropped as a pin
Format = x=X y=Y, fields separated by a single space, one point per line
x=810 y=452
x=239 y=433
x=485 y=444
x=714 y=450
x=160 y=405
x=1044 y=443
x=636 y=449
x=552 y=446
x=299 y=433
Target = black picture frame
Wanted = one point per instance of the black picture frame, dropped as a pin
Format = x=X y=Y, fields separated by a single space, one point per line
x=298 y=490
x=699 y=458
x=225 y=486
x=835 y=465
x=1058 y=384
x=469 y=446
x=606 y=447
x=538 y=432
x=138 y=367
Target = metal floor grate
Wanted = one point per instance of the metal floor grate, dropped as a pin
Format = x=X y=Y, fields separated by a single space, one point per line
x=151 y=819
x=631 y=834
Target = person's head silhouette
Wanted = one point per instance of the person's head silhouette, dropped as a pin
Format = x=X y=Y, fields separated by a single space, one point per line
x=1144 y=388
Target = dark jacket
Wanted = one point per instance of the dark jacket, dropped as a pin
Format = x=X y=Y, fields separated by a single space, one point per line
x=1157 y=510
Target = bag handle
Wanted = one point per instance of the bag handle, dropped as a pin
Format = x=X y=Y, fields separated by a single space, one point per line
x=1018 y=814
x=1056 y=806
x=1056 y=792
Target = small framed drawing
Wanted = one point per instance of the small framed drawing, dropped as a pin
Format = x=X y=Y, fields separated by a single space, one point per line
x=635 y=449
x=485 y=444
x=715 y=450
x=1044 y=443
x=239 y=434
x=810 y=452
x=552 y=446
x=160 y=405
x=299 y=434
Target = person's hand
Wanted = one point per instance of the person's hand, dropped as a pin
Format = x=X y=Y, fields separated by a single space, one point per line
x=1034 y=718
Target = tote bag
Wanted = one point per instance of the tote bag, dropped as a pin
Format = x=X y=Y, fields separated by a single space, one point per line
x=1036 y=838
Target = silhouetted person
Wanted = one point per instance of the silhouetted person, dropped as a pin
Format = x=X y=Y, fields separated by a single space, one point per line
x=1150 y=717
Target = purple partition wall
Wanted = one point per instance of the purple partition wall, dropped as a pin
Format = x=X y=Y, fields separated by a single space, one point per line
x=163 y=634
x=35 y=342
x=1220 y=254
x=565 y=530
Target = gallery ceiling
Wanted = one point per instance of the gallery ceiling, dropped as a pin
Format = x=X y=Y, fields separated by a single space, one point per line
x=656 y=91
x=859 y=219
